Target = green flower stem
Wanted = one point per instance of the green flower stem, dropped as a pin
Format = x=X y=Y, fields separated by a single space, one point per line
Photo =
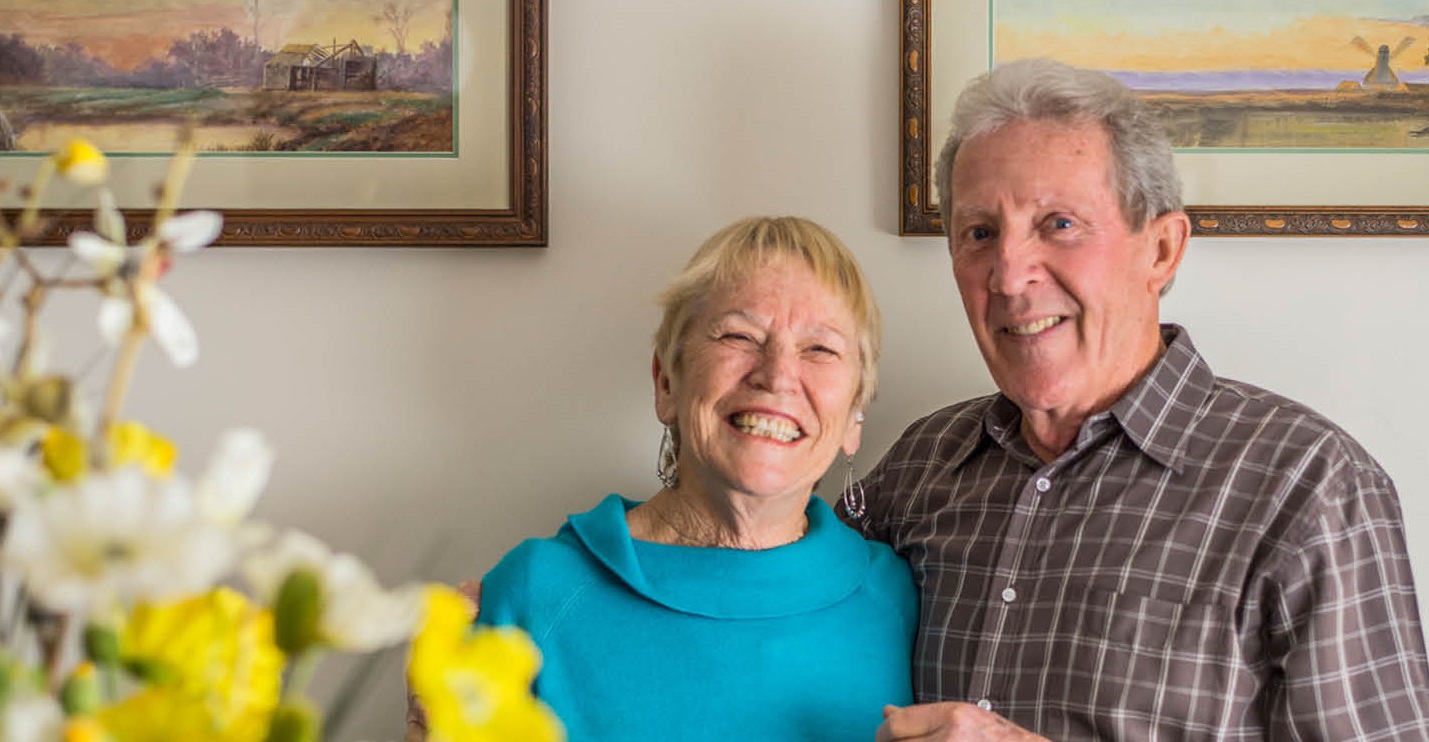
x=124 y=363
x=300 y=673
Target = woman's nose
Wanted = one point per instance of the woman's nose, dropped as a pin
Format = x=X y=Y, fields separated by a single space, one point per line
x=776 y=369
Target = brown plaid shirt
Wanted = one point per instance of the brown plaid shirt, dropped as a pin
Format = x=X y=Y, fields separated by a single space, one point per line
x=1208 y=561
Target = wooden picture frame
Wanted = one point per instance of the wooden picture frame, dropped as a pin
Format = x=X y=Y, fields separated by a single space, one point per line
x=522 y=221
x=918 y=150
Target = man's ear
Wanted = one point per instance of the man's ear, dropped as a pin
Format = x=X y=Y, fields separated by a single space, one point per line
x=1170 y=233
x=664 y=391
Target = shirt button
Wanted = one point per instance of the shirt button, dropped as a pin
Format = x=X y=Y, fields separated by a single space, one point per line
x=984 y=704
x=1043 y=484
x=1008 y=595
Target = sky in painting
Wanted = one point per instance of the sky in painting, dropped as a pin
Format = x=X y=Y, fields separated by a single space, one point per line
x=1158 y=36
x=128 y=33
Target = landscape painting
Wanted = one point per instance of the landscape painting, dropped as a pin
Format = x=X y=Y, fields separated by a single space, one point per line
x=1247 y=74
x=297 y=77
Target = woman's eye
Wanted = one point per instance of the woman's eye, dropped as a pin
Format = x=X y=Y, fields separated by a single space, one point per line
x=823 y=350
x=737 y=337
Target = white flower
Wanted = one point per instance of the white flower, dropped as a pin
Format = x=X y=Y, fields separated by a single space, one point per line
x=357 y=614
x=18 y=477
x=119 y=535
x=30 y=716
x=235 y=477
x=183 y=233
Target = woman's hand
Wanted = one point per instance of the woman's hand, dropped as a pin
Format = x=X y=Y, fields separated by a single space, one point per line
x=946 y=722
x=416 y=715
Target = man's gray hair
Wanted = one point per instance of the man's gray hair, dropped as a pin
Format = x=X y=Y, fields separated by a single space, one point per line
x=1045 y=90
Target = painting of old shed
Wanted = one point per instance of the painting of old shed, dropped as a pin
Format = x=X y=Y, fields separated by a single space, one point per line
x=318 y=67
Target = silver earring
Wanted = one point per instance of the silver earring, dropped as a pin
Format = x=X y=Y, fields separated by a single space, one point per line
x=853 y=492
x=667 y=465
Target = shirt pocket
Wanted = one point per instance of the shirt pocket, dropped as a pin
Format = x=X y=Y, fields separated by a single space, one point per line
x=1170 y=669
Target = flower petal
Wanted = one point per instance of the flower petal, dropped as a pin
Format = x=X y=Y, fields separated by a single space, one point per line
x=116 y=316
x=109 y=221
x=101 y=254
x=235 y=476
x=192 y=230
x=170 y=327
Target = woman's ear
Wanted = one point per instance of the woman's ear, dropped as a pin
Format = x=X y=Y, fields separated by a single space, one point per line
x=853 y=435
x=664 y=391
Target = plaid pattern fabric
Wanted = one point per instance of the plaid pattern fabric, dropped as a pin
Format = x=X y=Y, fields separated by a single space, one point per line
x=1208 y=561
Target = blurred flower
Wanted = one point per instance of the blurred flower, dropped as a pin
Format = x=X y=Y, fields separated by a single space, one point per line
x=211 y=658
x=18 y=477
x=27 y=715
x=108 y=256
x=235 y=477
x=475 y=684
x=132 y=443
x=117 y=535
x=81 y=162
x=353 y=612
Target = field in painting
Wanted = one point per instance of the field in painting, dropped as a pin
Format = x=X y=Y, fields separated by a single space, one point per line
x=145 y=120
x=1296 y=119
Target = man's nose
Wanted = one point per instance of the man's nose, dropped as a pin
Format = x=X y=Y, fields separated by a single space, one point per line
x=1016 y=263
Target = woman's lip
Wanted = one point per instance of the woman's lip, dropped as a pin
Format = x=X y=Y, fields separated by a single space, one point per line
x=769 y=424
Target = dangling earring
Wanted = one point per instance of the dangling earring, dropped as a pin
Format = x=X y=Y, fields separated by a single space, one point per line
x=667 y=465
x=853 y=492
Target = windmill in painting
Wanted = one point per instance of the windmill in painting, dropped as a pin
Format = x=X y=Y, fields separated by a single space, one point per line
x=1247 y=74
x=1381 y=76
x=251 y=75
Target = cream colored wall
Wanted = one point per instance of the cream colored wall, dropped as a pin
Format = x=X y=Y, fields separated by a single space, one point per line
x=433 y=407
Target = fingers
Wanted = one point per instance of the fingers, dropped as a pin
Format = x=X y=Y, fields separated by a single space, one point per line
x=472 y=590
x=918 y=722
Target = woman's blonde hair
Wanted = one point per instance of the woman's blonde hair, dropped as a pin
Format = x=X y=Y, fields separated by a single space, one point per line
x=738 y=250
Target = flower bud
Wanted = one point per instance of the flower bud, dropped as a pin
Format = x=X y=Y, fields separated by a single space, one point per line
x=81 y=162
x=152 y=672
x=294 y=721
x=101 y=644
x=297 y=612
x=80 y=693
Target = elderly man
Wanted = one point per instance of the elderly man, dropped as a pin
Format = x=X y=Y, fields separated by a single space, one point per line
x=1121 y=545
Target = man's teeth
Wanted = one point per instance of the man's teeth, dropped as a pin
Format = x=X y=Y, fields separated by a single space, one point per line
x=767 y=427
x=1032 y=328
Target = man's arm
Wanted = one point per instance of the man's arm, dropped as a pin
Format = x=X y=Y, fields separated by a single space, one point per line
x=1345 y=633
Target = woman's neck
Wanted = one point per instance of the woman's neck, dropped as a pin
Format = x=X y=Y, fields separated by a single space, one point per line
x=684 y=519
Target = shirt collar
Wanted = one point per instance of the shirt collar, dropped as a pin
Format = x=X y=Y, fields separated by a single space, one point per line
x=1155 y=413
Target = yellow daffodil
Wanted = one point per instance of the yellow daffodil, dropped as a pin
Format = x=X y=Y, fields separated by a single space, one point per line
x=476 y=683
x=132 y=443
x=218 y=671
x=81 y=162
x=85 y=729
x=65 y=456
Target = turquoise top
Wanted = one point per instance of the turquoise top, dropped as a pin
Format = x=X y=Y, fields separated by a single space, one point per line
x=644 y=641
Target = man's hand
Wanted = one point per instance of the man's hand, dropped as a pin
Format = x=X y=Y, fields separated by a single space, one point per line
x=949 y=722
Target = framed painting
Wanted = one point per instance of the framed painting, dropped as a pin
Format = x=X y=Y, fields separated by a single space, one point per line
x=1288 y=118
x=317 y=122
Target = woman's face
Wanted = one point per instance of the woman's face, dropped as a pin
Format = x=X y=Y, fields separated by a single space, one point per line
x=764 y=398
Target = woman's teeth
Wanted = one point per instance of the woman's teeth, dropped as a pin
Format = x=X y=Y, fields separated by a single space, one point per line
x=767 y=427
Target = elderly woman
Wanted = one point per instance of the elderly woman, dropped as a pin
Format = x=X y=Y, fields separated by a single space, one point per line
x=732 y=604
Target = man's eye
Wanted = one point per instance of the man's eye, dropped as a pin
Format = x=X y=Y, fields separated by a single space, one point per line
x=1061 y=222
x=979 y=233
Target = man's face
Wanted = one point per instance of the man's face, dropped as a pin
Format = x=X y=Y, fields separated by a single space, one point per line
x=1061 y=294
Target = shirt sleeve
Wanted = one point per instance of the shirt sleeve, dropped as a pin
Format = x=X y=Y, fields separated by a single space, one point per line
x=1345 y=634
